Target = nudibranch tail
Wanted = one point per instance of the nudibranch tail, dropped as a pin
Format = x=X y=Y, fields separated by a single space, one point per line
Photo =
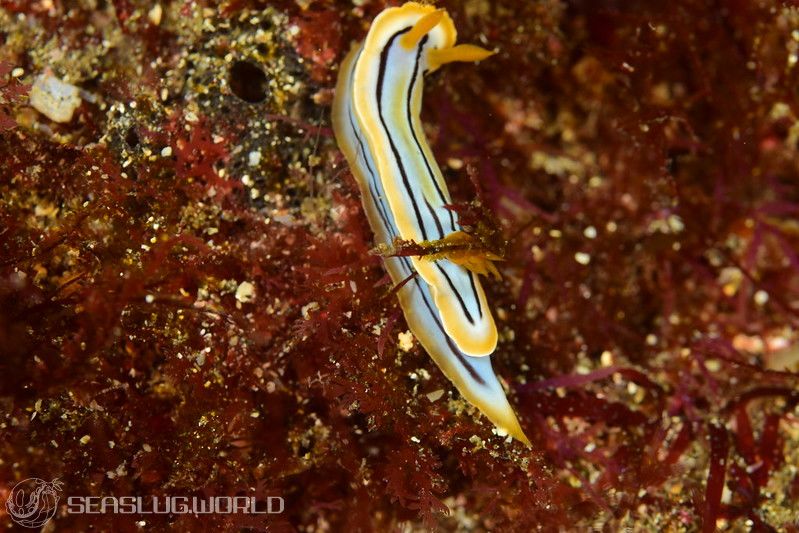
x=375 y=118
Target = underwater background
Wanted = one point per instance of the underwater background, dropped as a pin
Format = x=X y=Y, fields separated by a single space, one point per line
x=190 y=303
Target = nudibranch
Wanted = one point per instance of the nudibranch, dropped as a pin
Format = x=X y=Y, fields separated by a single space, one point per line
x=376 y=121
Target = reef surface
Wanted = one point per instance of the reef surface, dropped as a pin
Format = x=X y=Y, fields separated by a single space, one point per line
x=190 y=303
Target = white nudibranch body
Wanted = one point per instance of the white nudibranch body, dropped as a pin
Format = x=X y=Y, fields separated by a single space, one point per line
x=376 y=121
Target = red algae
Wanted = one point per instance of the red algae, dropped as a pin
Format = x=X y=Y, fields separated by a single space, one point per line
x=190 y=304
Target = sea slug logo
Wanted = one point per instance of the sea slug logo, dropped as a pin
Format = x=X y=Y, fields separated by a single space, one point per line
x=33 y=501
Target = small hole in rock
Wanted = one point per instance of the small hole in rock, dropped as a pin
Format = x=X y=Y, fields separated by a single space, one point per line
x=247 y=81
x=132 y=138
